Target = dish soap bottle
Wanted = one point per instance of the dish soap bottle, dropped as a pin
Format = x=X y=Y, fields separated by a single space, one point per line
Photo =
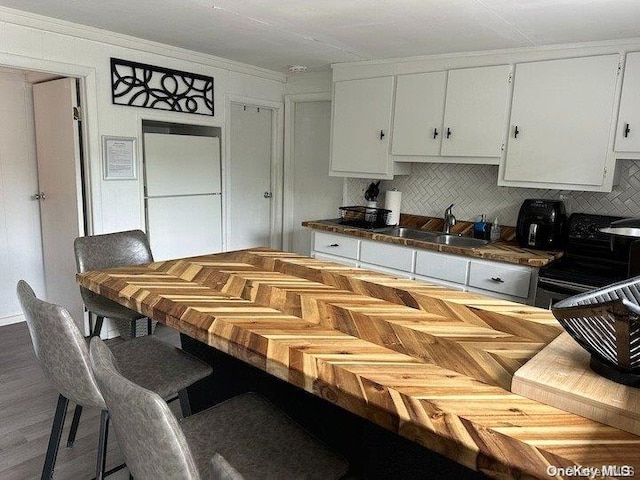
x=479 y=228
x=495 y=231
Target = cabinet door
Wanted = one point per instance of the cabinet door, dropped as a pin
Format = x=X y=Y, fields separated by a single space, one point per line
x=418 y=111
x=628 y=134
x=360 y=126
x=475 y=111
x=562 y=112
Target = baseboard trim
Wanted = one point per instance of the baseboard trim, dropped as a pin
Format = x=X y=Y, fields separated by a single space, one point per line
x=11 y=320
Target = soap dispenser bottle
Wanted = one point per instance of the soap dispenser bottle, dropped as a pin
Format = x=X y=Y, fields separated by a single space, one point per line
x=495 y=231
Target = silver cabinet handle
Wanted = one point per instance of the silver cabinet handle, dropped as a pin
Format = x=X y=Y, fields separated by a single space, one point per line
x=40 y=196
x=497 y=279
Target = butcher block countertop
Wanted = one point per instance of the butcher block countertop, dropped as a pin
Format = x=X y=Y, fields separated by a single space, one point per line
x=429 y=363
x=505 y=250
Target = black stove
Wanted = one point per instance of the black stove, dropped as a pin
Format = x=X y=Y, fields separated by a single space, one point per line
x=589 y=261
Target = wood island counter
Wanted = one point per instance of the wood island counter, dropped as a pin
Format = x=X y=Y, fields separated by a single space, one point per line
x=431 y=364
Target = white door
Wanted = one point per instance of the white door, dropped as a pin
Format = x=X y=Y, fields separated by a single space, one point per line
x=361 y=122
x=418 y=112
x=628 y=133
x=250 y=193
x=562 y=112
x=475 y=111
x=314 y=194
x=60 y=186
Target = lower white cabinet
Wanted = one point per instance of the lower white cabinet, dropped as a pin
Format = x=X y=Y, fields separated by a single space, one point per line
x=495 y=277
x=498 y=279
x=387 y=255
x=450 y=268
x=331 y=258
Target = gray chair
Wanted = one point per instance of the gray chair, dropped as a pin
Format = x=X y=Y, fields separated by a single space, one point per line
x=63 y=354
x=252 y=438
x=112 y=250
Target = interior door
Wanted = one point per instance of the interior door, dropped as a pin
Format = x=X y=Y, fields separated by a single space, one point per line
x=250 y=186
x=314 y=193
x=60 y=190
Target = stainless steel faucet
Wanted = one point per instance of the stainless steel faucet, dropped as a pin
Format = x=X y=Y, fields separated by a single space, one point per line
x=449 y=219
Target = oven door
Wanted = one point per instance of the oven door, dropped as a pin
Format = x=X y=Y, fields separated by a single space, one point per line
x=550 y=291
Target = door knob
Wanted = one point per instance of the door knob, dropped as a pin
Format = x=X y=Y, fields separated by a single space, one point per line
x=40 y=196
x=268 y=194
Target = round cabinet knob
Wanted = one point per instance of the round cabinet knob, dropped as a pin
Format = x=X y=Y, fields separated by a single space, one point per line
x=268 y=194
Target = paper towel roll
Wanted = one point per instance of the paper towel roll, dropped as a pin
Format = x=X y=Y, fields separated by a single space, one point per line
x=393 y=201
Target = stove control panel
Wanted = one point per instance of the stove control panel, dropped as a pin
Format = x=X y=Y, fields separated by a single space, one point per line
x=585 y=226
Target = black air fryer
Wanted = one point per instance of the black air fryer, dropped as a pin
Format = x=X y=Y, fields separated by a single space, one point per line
x=540 y=224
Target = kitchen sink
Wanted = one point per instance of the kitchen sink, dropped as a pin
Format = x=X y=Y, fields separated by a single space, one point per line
x=414 y=234
x=434 y=237
x=456 y=241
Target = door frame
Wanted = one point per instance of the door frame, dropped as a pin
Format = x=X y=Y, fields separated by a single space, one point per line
x=90 y=140
x=277 y=145
x=290 y=102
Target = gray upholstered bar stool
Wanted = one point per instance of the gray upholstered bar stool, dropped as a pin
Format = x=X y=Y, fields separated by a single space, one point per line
x=252 y=438
x=112 y=250
x=63 y=354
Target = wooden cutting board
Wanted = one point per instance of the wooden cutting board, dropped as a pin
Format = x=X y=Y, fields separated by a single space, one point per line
x=559 y=375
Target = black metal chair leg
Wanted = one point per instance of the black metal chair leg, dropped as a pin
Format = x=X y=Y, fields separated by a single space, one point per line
x=54 y=438
x=185 y=406
x=98 y=327
x=102 y=445
x=149 y=326
x=74 y=426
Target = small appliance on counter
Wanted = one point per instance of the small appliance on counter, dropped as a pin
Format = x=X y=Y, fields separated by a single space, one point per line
x=540 y=224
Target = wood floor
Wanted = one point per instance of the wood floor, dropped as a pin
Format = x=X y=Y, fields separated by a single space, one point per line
x=27 y=405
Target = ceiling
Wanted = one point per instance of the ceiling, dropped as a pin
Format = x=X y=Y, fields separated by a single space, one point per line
x=275 y=34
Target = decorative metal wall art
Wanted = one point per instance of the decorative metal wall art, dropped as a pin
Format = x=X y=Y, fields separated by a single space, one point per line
x=140 y=85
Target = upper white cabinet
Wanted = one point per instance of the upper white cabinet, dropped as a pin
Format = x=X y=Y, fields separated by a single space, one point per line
x=361 y=124
x=628 y=133
x=418 y=113
x=476 y=111
x=560 y=127
x=460 y=113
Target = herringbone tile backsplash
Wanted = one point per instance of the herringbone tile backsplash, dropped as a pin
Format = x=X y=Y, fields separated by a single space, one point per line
x=430 y=188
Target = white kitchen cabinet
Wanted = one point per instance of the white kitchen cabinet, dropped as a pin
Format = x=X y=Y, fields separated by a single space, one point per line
x=361 y=127
x=512 y=280
x=498 y=279
x=560 y=124
x=628 y=132
x=460 y=113
x=418 y=114
x=451 y=268
x=476 y=111
x=337 y=245
x=331 y=258
x=387 y=255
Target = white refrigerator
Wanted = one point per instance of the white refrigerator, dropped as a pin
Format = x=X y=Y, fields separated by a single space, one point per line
x=182 y=195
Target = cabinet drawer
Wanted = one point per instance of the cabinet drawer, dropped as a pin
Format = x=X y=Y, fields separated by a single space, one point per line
x=330 y=258
x=392 y=256
x=336 y=245
x=510 y=280
x=451 y=268
x=389 y=271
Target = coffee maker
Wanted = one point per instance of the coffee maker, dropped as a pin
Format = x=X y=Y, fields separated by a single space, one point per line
x=540 y=224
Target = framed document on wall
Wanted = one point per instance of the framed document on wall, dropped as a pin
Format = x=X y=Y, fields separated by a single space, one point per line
x=119 y=158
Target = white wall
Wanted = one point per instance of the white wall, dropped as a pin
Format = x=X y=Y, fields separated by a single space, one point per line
x=37 y=43
x=20 y=242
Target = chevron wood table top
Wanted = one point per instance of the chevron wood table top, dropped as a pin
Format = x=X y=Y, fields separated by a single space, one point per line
x=431 y=364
